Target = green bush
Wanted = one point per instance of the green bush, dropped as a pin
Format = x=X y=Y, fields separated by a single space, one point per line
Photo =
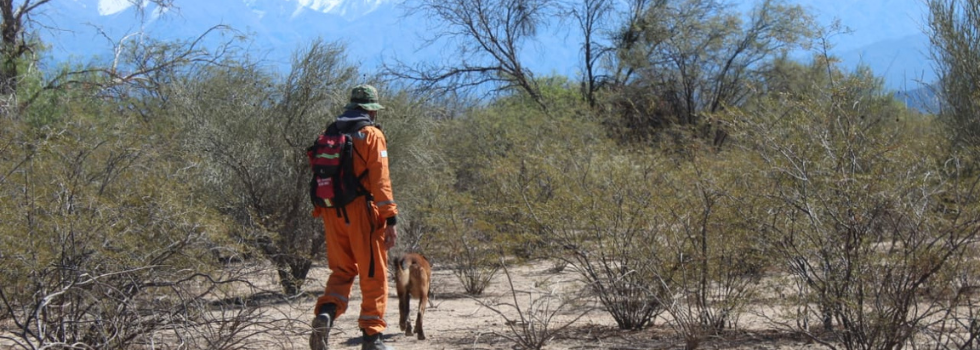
x=246 y=132
x=97 y=219
x=862 y=211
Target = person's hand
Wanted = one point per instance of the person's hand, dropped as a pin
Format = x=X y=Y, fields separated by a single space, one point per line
x=390 y=235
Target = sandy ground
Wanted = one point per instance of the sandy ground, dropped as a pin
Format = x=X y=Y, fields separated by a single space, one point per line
x=454 y=320
x=457 y=321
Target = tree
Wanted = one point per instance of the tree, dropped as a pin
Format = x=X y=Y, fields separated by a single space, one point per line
x=590 y=16
x=252 y=132
x=105 y=244
x=16 y=39
x=490 y=35
x=871 y=223
x=140 y=68
x=955 y=41
x=697 y=56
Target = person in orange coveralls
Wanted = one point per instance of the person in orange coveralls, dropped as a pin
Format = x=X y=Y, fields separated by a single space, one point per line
x=358 y=242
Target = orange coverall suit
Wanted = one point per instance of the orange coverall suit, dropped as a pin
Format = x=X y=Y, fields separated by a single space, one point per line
x=356 y=246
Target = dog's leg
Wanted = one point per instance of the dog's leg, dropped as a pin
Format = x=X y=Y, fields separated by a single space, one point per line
x=403 y=309
x=425 y=276
x=402 y=281
x=418 y=319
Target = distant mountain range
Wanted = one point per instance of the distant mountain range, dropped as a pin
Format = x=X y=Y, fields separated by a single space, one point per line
x=276 y=28
x=887 y=35
x=923 y=99
x=903 y=62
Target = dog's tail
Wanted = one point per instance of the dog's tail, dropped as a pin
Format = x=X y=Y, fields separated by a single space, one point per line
x=402 y=266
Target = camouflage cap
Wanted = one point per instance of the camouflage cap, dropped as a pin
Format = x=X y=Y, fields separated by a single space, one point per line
x=364 y=96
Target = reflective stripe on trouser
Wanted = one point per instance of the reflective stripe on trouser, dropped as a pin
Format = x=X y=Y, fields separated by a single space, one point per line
x=353 y=250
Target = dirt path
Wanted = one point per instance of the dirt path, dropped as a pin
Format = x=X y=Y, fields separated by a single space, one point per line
x=454 y=320
x=457 y=321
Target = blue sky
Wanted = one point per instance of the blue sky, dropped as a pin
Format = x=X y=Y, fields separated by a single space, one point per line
x=886 y=34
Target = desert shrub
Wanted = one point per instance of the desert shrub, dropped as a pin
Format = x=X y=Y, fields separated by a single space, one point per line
x=649 y=234
x=590 y=206
x=418 y=168
x=462 y=240
x=706 y=208
x=649 y=231
x=469 y=218
x=473 y=262
x=956 y=327
x=533 y=316
x=246 y=131
x=457 y=237
x=865 y=215
x=104 y=244
x=553 y=185
x=953 y=34
x=610 y=232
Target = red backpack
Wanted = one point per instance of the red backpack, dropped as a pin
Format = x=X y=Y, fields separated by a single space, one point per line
x=331 y=156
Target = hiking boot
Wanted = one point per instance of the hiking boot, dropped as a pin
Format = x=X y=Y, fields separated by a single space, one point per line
x=373 y=342
x=320 y=339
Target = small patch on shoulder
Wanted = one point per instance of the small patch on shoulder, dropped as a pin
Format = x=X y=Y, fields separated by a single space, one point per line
x=384 y=154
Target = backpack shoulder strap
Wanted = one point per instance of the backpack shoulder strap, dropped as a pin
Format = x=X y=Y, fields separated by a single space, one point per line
x=352 y=130
x=332 y=127
x=359 y=125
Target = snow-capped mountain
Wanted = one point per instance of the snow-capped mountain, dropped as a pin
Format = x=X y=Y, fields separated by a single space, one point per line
x=346 y=9
x=87 y=29
x=886 y=34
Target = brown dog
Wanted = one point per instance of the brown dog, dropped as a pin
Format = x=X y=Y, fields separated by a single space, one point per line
x=412 y=275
